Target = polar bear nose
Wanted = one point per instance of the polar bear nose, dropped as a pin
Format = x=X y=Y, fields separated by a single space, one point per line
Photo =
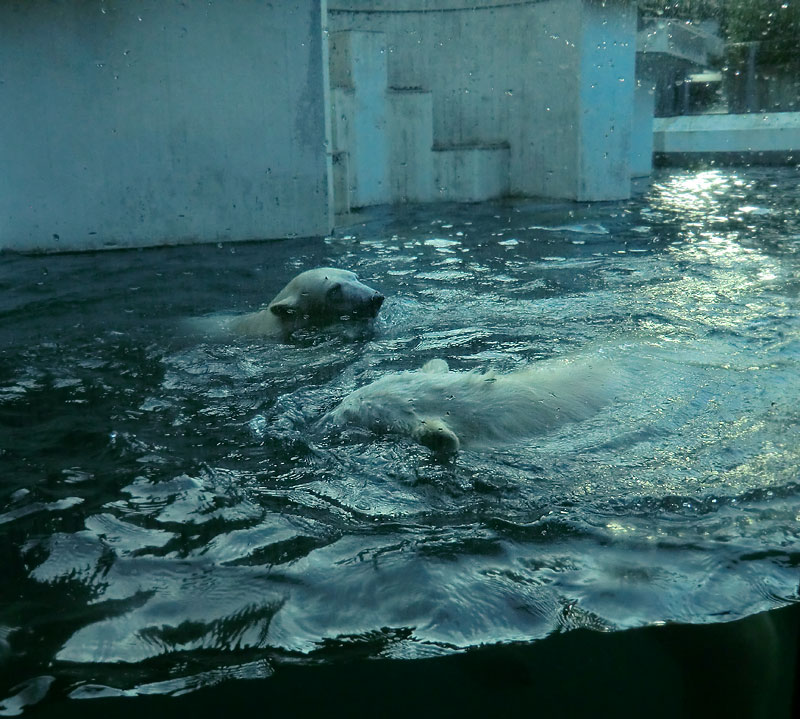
x=377 y=301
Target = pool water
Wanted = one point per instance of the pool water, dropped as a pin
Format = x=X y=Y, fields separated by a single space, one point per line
x=173 y=514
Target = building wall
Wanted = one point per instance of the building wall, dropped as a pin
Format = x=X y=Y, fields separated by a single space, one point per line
x=158 y=121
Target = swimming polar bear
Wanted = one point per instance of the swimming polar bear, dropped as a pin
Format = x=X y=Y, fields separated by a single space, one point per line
x=446 y=410
x=314 y=298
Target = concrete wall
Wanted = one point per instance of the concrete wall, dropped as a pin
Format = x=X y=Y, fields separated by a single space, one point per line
x=606 y=99
x=152 y=121
x=411 y=163
x=542 y=78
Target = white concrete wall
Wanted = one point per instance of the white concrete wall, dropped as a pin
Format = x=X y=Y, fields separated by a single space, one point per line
x=541 y=77
x=160 y=121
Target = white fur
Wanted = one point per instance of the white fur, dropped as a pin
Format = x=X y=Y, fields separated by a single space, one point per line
x=446 y=410
x=315 y=297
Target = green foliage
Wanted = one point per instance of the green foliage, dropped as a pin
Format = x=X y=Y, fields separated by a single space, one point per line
x=682 y=9
x=774 y=23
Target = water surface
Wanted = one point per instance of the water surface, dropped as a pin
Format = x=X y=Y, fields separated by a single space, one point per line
x=172 y=515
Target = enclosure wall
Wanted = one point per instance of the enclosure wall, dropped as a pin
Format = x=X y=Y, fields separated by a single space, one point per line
x=551 y=80
x=159 y=121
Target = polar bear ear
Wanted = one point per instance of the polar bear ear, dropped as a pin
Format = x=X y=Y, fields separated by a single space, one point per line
x=436 y=435
x=285 y=308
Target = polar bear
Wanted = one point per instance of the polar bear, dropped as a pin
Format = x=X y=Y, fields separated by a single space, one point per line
x=314 y=298
x=446 y=410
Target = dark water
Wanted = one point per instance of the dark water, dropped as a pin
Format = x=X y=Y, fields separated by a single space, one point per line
x=172 y=516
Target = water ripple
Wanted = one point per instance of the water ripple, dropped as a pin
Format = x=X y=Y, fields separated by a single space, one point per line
x=172 y=500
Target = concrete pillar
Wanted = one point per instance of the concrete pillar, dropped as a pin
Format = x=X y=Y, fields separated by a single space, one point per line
x=644 y=106
x=358 y=65
x=606 y=98
x=575 y=142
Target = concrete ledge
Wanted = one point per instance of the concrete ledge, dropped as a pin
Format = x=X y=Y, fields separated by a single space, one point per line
x=677 y=39
x=755 y=138
x=704 y=159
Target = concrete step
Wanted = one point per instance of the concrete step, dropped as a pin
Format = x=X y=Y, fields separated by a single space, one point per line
x=382 y=137
x=410 y=121
x=359 y=108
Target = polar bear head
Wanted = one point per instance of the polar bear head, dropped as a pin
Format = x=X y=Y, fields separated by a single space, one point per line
x=324 y=295
x=408 y=403
x=314 y=298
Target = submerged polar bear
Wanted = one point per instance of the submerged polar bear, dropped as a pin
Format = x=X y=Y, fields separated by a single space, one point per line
x=314 y=298
x=446 y=410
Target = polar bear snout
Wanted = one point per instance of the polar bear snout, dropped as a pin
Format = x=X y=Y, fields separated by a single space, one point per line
x=357 y=302
x=374 y=304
